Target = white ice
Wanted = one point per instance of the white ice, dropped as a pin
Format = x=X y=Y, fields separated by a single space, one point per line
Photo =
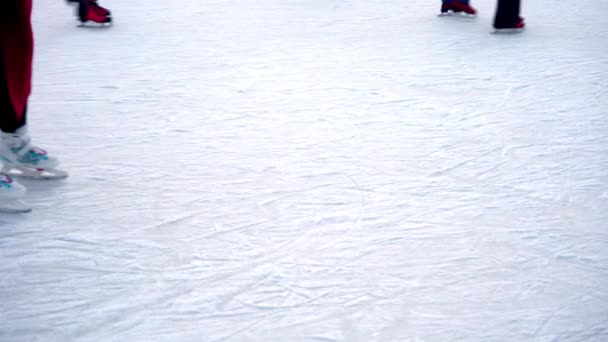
x=315 y=170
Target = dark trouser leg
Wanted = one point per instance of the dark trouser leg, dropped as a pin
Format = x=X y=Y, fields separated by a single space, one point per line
x=9 y=123
x=83 y=8
x=507 y=13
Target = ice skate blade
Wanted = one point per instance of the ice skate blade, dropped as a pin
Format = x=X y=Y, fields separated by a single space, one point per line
x=38 y=174
x=509 y=30
x=457 y=15
x=14 y=207
x=93 y=25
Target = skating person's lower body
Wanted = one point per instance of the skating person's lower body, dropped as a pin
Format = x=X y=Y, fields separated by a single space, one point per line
x=507 y=16
x=457 y=6
x=91 y=11
x=17 y=155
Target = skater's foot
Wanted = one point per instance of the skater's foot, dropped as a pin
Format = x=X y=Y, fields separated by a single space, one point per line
x=10 y=189
x=94 y=13
x=18 y=149
x=21 y=158
x=518 y=26
x=446 y=8
x=457 y=7
x=100 y=10
x=11 y=193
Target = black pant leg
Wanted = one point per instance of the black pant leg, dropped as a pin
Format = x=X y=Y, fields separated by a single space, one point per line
x=83 y=8
x=8 y=118
x=507 y=13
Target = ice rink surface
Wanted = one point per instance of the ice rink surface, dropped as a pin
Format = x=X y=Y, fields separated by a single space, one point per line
x=314 y=170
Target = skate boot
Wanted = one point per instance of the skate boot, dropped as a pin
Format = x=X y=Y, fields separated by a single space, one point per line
x=519 y=26
x=11 y=194
x=446 y=8
x=90 y=11
x=21 y=159
x=457 y=7
x=100 y=10
x=93 y=14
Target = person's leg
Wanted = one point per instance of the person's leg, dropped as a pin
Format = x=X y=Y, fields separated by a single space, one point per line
x=457 y=6
x=507 y=14
x=16 y=55
x=89 y=10
x=10 y=122
x=83 y=9
x=10 y=190
x=16 y=52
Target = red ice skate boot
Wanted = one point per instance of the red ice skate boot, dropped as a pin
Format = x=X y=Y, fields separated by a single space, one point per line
x=457 y=7
x=100 y=10
x=92 y=14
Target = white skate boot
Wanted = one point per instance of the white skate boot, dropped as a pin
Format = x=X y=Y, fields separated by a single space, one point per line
x=11 y=194
x=21 y=159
